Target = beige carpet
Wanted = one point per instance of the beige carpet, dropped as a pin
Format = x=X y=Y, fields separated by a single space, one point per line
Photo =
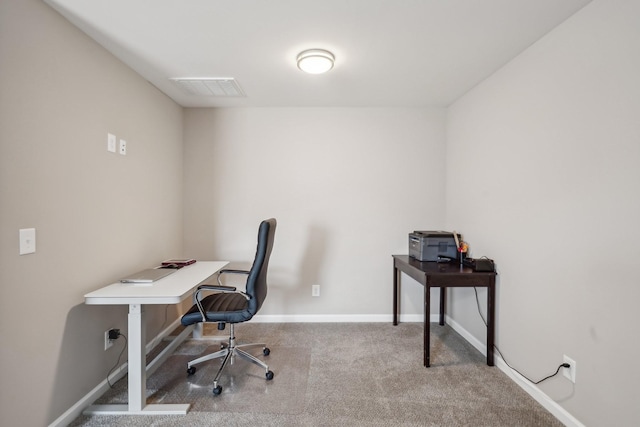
x=329 y=374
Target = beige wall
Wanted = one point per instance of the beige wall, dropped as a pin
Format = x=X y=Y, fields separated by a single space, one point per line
x=551 y=144
x=98 y=215
x=541 y=174
x=346 y=185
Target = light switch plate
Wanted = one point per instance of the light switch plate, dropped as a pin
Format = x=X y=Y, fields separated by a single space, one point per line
x=111 y=143
x=27 y=241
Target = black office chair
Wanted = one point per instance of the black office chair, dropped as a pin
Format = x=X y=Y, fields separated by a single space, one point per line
x=228 y=305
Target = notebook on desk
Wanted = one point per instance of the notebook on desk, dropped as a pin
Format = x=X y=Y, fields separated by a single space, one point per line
x=149 y=275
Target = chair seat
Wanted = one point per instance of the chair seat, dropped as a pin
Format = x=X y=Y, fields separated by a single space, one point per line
x=220 y=307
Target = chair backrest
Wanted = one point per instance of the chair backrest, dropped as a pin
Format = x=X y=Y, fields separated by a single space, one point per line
x=256 y=286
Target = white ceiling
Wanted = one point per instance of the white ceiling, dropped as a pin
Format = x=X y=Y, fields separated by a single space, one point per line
x=388 y=52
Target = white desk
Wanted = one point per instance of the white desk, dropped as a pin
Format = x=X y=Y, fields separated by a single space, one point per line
x=171 y=289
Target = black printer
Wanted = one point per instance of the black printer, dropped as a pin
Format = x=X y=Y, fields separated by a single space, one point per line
x=432 y=245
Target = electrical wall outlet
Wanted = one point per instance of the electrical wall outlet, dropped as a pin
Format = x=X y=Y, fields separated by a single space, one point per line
x=315 y=290
x=27 y=240
x=123 y=147
x=569 y=372
x=108 y=343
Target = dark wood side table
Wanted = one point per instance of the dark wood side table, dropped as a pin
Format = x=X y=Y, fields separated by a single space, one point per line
x=443 y=275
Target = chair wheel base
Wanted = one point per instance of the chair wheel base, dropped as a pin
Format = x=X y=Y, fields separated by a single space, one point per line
x=217 y=390
x=269 y=375
x=191 y=370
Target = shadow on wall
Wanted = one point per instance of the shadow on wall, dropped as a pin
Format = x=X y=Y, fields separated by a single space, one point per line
x=311 y=264
x=82 y=362
x=290 y=283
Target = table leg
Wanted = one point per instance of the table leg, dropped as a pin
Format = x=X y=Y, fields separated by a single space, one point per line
x=396 y=299
x=443 y=297
x=491 y=320
x=427 y=324
x=137 y=362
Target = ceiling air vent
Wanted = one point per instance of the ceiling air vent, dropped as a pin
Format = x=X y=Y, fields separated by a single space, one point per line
x=210 y=87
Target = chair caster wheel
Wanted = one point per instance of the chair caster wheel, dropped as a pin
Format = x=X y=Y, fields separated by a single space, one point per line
x=266 y=351
x=269 y=375
x=217 y=390
x=191 y=370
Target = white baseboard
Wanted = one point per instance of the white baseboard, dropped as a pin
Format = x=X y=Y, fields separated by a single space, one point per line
x=542 y=398
x=76 y=410
x=337 y=318
x=550 y=405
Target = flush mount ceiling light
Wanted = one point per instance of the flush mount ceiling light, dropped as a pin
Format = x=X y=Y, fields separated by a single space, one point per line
x=315 y=61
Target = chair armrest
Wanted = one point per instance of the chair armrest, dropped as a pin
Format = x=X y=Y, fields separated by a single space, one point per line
x=232 y=271
x=207 y=287
x=220 y=288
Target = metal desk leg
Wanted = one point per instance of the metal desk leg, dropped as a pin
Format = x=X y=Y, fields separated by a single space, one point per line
x=137 y=376
x=137 y=362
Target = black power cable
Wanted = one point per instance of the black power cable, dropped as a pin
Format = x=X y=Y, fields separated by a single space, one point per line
x=115 y=333
x=564 y=365
x=120 y=334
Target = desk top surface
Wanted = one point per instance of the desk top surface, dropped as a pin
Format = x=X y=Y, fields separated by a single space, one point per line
x=169 y=290
x=437 y=268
